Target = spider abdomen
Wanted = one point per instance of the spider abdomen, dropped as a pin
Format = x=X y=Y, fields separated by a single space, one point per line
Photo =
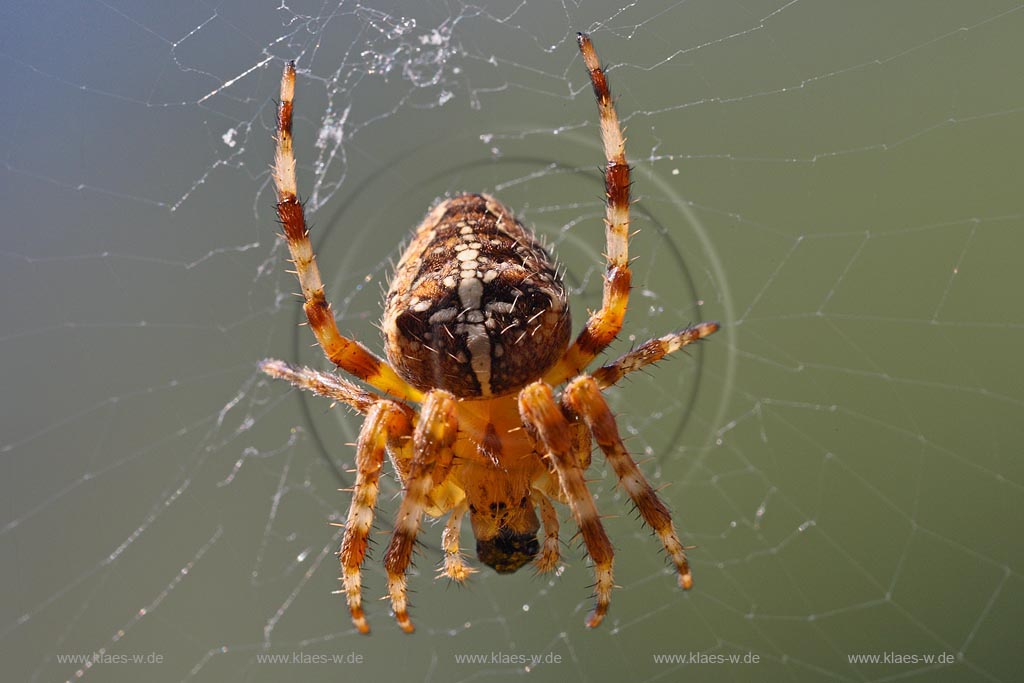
x=476 y=306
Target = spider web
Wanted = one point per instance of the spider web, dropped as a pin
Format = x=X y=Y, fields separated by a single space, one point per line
x=837 y=183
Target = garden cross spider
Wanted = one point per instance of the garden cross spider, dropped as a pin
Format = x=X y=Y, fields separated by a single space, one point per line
x=477 y=333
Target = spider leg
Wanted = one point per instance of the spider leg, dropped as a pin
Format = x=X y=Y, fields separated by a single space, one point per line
x=651 y=351
x=583 y=397
x=549 y=554
x=322 y=384
x=542 y=414
x=455 y=567
x=347 y=354
x=431 y=443
x=386 y=424
x=543 y=496
x=603 y=325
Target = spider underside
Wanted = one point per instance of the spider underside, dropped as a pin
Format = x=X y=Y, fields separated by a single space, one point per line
x=477 y=332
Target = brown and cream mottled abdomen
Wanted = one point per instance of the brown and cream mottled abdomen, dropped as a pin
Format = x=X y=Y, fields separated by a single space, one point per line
x=476 y=306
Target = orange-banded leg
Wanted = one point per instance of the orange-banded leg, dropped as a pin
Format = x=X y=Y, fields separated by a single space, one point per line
x=347 y=354
x=387 y=424
x=322 y=384
x=583 y=398
x=431 y=444
x=651 y=351
x=545 y=419
x=454 y=567
x=549 y=555
x=604 y=324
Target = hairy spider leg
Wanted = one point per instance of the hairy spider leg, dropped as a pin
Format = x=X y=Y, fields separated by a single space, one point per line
x=547 y=558
x=583 y=398
x=387 y=424
x=431 y=444
x=604 y=324
x=347 y=354
x=454 y=566
x=541 y=413
x=651 y=351
x=323 y=384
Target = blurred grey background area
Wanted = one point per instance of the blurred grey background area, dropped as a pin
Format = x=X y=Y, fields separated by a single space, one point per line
x=839 y=184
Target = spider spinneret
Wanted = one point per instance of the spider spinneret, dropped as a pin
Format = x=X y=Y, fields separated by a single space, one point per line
x=477 y=331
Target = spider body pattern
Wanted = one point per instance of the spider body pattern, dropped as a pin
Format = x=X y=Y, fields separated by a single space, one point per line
x=477 y=335
x=473 y=282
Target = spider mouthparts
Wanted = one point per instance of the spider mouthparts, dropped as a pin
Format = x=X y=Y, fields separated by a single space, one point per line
x=508 y=550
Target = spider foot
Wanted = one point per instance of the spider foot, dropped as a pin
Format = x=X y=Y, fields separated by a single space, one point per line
x=455 y=568
x=404 y=622
x=549 y=556
x=677 y=552
x=603 y=595
x=359 y=619
x=399 y=604
x=352 y=581
x=355 y=610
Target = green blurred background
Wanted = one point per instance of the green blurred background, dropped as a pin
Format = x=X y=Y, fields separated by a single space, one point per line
x=838 y=183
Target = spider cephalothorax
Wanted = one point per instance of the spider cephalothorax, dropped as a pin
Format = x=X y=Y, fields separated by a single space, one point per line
x=477 y=330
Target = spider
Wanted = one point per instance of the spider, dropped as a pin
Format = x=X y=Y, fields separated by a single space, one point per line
x=477 y=333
